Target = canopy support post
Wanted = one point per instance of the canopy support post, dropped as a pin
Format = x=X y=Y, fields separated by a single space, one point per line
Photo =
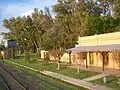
x=103 y=65
x=69 y=57
x=87 y=61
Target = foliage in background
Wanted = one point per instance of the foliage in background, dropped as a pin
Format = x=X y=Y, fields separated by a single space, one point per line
x=72 y=18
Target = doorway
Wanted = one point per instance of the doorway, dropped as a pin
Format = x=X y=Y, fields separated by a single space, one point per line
x=106 y=58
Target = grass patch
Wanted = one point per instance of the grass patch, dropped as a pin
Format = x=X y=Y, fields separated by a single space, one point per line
x=72 y=72
x=37 y=65
x=112 y=82
x=52 y=66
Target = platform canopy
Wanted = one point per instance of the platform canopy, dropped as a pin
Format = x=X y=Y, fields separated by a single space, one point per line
x=97 y=48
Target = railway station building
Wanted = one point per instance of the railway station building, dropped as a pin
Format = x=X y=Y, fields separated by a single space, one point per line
x=101 y=51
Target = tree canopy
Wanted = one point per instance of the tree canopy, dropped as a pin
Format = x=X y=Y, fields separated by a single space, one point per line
x=72 y=18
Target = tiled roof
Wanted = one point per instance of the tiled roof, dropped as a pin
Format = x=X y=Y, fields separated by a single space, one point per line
x=100 y=48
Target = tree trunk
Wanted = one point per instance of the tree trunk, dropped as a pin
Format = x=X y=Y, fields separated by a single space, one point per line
x=34 y=49
x=27 y=58
x=21 y=51
x=37 y=49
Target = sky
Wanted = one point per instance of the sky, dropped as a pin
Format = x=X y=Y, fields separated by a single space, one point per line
x=14 y=8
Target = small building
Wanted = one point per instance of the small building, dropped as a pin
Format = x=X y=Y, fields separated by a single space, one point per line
x=43 y=54
x=98 y=51
x=8 y=49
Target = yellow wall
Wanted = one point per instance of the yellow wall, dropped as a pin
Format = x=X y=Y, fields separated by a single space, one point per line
x=102 y=39
x=111 y=61
x=97 y=59
x=65 y=57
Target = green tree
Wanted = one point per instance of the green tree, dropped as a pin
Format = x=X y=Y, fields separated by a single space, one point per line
x=116 y=8
x=71 y=20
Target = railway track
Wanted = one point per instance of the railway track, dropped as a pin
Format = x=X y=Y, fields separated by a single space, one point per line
x=10 y=83
x=21 y=79
x=3 y=83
